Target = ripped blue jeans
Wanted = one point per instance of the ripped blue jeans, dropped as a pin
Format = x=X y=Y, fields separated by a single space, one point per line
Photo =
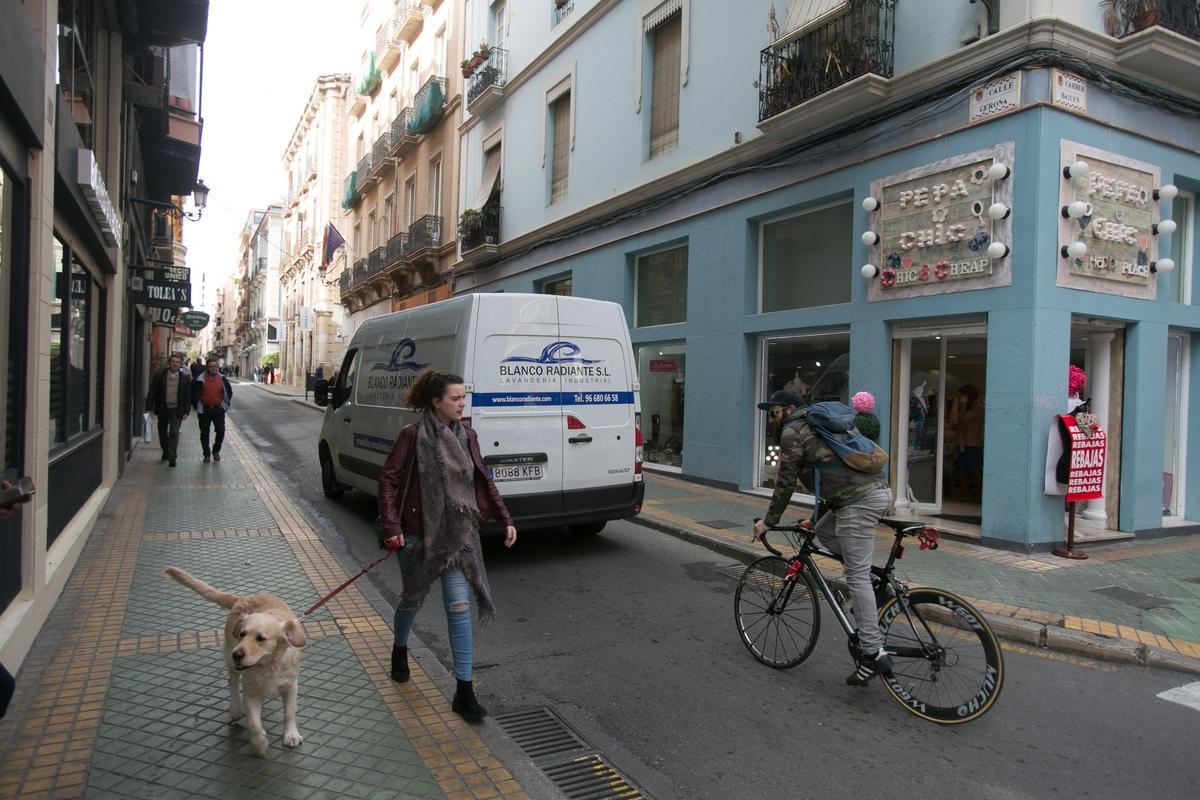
x=456 y=597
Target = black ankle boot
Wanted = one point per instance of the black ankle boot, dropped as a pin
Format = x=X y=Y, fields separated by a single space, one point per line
x=400 y=671
x=466 y=704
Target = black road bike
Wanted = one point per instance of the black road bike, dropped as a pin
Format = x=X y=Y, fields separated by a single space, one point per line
x=947 y=664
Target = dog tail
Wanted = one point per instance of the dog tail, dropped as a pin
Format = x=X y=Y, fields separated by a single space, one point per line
x=223 y=599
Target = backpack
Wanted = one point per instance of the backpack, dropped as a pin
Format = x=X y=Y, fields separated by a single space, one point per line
x=834 y=423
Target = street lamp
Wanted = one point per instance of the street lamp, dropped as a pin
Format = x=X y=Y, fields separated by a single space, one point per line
x=199 y=200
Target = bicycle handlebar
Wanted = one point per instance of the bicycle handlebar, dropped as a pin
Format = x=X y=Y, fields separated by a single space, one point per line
x=798 y=527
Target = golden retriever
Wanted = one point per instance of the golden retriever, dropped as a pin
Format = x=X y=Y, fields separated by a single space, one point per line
x=262 y=637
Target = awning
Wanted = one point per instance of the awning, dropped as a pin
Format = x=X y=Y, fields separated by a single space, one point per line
x=491 y=175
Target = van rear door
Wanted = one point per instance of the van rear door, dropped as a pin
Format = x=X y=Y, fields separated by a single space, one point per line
x=515 y=403
x=598 y=400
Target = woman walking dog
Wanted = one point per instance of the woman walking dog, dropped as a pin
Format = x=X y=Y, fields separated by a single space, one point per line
x=434 y=494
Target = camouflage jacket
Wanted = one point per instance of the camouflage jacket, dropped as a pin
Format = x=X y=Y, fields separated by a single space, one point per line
x=802 y=452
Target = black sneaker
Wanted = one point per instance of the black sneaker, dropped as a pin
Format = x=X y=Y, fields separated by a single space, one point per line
x=869 y=667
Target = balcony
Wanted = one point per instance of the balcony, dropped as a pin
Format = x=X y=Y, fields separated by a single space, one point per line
x=428 y=105
x=402 y=138
x=487 y=83
x=363 y=171
x=482 y=239
x=344 y=282
x=388 y=45
x=360 y=271
x=562 y=10
x=424 y=235
x=379 y=154
x=377 y=260
x=410 y=16
x=397 y=250
x=855 y=43
x=372 y=78
x=350 y=195
x=1128 y=17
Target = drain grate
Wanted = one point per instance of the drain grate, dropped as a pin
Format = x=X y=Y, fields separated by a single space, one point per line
x=722 y=523
x=540 y=732
x=591 y=777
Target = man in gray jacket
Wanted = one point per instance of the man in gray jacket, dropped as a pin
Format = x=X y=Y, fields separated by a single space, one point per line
x=211 y=395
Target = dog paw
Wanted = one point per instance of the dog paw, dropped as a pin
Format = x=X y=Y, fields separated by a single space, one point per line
x=236 y=713
x=292 y=739
x=260 y=745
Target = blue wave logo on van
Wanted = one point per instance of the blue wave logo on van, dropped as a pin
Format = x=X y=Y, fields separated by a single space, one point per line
x=557 y=353
x=405 y=349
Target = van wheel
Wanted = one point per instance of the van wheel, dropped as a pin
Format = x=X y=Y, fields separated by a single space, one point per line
x=587 y=529
x=329 y=481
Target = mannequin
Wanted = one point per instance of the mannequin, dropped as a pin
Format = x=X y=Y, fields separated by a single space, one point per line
x=918 y=410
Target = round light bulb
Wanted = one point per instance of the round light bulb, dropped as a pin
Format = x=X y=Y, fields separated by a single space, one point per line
x=1075 y=169
x=1075 y=209
x=1077 y=250
x=997 y=250
x=1166 y=192
x=998 y=171
x=1162 y=265
x=869 y=271
x=869 y=238
x=998 y=211
x=1166 y=227
x=870 y=203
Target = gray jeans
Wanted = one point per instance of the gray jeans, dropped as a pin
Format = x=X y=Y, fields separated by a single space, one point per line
x=850 y=532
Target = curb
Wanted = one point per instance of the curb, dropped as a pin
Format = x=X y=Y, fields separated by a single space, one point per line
x=307 y=404
x=1034 y=634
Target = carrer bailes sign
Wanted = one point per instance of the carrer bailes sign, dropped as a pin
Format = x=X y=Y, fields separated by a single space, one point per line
x=935 y=230
x=1116 y=226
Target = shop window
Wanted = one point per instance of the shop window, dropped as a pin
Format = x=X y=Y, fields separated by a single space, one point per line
x=10 y=329
x=815 y=366
x=76 y=348
x=662 y=369
x=662 y=288
x=1183 y=248
x=806 y=259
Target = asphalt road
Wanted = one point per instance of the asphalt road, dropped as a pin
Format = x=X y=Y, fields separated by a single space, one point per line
x=629 y=636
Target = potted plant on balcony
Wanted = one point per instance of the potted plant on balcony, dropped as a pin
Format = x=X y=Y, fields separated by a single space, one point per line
x=490 y=75
x=468 y=67
x=484 y=52
x=469 y=222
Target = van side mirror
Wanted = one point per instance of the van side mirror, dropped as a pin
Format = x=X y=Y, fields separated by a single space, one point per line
x=321 y=392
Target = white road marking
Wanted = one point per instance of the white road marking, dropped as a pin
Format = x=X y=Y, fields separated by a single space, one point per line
x=1186 y=695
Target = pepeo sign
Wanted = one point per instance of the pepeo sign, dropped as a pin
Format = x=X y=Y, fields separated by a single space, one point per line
x=194 y=320
x=166 y=293
x=934 y=228
x=1118 y=195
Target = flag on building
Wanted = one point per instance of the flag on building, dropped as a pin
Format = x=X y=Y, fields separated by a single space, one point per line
x=329 y=244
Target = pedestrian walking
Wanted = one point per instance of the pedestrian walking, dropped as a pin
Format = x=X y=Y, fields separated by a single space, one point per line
x=434 y=494
x=852 y=502
x=196 y=368
x=169 y=398
x=211 y=395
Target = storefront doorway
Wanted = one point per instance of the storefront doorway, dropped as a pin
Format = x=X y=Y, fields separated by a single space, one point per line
x=940 y=423
x=1175 y=427
x=1098 y=348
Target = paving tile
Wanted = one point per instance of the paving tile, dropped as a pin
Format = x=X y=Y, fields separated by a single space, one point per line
x=218 y=509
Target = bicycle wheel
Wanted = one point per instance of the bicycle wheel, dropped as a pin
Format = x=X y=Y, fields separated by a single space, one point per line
x=947 y=663
x=777 y=616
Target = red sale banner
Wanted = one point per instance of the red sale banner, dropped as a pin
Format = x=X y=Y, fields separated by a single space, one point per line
x=1086 y=476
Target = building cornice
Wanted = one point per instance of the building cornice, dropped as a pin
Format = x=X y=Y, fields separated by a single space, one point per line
x=324 y=85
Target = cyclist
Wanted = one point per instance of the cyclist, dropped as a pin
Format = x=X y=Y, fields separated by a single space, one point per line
x=852 y=504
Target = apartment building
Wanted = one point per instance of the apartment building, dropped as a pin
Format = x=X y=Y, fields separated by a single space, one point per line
x=312 y=316
x=928 y=201
x=401 y=192
x=260 y=294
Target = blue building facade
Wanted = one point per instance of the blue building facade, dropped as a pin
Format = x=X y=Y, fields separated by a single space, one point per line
x=868 y=204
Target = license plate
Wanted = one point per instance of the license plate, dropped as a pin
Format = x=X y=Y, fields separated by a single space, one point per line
x=517 y=472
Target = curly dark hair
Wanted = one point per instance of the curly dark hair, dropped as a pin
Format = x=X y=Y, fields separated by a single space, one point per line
x=430 y=385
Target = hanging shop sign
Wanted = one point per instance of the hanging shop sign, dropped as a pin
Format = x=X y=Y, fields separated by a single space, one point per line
x=176 y=274
x=1068 y=90
x=1085 y=475
x=91 y=183
x=1117 y=194
x=183 y=330
x=194 y=320
x=995 y=97
x=162 y=316
x=934 y=227
x=166 y=293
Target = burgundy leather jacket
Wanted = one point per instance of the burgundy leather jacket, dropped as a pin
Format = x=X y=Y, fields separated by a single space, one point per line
x=395 y=521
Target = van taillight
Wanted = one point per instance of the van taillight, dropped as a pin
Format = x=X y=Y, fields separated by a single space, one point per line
x=638 y=449
x=574 y=423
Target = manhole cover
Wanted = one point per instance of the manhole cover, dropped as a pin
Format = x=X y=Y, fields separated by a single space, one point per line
x=1136 y=599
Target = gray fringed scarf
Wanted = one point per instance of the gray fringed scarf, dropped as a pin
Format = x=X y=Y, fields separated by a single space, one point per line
x=450 y=514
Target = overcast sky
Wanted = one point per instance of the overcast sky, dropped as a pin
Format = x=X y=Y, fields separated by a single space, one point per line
x=261 y=58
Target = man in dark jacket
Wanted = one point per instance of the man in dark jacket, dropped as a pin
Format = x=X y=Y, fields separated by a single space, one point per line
x=211 y=395
x=196 y=369
x=170 y=398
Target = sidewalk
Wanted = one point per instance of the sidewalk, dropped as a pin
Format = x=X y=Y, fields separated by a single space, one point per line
x=124 y=693
x=1137 y=602
x=297 y=394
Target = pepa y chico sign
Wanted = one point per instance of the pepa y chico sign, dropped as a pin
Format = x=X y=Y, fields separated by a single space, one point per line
x=933 y=227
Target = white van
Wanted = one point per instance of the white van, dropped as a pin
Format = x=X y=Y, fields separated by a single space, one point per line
x=551 y=391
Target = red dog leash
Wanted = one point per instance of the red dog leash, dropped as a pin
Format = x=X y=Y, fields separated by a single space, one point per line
x=334 y=593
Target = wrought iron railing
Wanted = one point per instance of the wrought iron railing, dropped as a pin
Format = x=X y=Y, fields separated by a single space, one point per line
x=562 y=10
x=1130 y=16
x=379 y=152
x=344 y=282
x=427 y=105
x=493 y=72
x=377 y=260
x=364 y=169
x=401 y=135
x=857 y=42
x=425 y=232
x=397 y=248
x=360 y=270
x=387 y=36
x=488 y=231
